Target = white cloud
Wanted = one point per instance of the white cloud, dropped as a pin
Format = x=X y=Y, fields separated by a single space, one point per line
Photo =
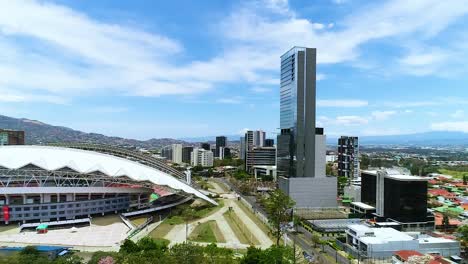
x=342 y=103
x=382 y=115
x=461 y=126
x=351 y=120
x=258 y=89
x=458 y=114
x=79 y=55
x=233 y=100
x=320 y=76
x=339 y=2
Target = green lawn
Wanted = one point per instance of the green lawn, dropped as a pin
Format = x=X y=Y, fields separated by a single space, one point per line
x=240 y=230
x=255 y=219
x=137 y=221
x=207 y=232
x=455 y=174
x=161 y=231
x=106 y=220
x=205 y=212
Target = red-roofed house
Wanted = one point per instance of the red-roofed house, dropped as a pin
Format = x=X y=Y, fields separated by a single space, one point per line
x=404 y=255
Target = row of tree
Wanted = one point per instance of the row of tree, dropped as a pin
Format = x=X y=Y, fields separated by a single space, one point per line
x=148 y=251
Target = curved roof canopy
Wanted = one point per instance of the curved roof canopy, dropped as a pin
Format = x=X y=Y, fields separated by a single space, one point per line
x=83 y=161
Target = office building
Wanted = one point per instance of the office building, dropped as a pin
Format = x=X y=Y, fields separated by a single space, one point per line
x=269 y=142
x=398 y=198
x=242 y=148
x=265 y=156
x=370 y=242
x=166 y=152
x=300 y=145
x=11 y=137
x=186 y=151
x=205 y=146
x=224 y=153
x=261 y=171
x=252 y=139
x=221 y=142
x=177 y=153
x=348 y=157
x=201 y=157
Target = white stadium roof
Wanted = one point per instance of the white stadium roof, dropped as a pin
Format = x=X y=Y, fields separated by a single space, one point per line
x=83 y=161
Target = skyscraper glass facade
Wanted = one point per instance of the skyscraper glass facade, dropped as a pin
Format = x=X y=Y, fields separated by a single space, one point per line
x=296 y=142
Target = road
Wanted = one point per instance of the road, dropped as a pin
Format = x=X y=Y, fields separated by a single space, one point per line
x=302 y=243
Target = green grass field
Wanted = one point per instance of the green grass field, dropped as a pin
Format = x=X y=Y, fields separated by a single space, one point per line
x=255 y=219
x=240 y=230
x=455 y=174
x=161 y=231
x=137 y=221
x=207 y=232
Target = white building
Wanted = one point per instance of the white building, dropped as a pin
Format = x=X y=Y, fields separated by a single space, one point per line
x=383 y=242
x=201 y=157
x=260 y=170
x=331 y=158
x=177 y=153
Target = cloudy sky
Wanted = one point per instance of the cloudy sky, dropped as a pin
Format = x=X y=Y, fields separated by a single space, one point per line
x=144 y=69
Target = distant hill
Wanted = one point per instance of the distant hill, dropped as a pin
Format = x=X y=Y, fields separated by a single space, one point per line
x=41 y=133
x=433 y=138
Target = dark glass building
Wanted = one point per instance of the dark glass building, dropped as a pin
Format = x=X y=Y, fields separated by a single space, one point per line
x=269 y=142
x=186 y=151
x=205 y=146
x=221 y=141
x=397 y=198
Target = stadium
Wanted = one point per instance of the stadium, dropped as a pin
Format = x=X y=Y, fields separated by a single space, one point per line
x=73 y=183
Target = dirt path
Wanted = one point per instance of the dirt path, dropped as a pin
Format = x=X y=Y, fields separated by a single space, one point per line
x=178 y=232
x=263 y=238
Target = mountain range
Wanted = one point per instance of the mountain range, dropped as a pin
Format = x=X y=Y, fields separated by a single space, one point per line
x=37 y=132
x=41 y=133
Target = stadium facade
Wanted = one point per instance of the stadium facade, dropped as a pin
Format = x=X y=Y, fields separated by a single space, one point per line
x=46 y=183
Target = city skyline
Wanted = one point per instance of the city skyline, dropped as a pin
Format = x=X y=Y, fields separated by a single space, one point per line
x=140 y=69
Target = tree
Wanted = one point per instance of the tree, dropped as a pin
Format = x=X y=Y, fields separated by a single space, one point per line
x=129 y=247
x=365 y=162
x=463 y=232
x=218 y=255
x=278 y=206
x=187 y=253
x=316 y=239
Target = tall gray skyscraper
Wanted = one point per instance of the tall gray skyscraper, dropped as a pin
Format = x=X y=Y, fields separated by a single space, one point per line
x=296 y=142
x=300 y=145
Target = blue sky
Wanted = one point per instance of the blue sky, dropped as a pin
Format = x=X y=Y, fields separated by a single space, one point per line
x=144 y=69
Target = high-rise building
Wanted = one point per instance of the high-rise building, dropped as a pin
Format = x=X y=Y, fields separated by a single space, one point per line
x=201 y=157
x=300 y=171
x=269 y=142
x=11 y=137
x=205 y=146
x=296 y=143
x=166 y=152
x=348 y=157
x=186 y=151
x=177 y=153
x=242 y=148
x=221 y=142
x=252 y=139
x=256 y=156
